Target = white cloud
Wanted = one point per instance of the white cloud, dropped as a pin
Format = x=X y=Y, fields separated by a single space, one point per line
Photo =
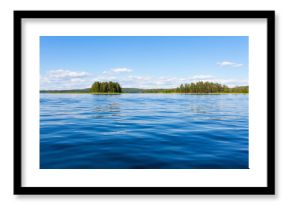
x=200 y=77
x=118 y=70
x=60 y=79
x=231 y=82
x=173 y=82
x=64 y=79
x=121 y=70
x=105 y=78
x=229 y=64
x=60 y=73
x=133 y=81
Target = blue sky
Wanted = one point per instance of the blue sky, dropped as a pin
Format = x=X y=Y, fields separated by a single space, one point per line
x=68 y=62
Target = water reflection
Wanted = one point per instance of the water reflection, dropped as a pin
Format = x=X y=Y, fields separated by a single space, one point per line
x=112 y=109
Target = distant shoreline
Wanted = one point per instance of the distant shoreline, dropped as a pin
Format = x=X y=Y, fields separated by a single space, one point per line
x=114 y=88
x=136 y=93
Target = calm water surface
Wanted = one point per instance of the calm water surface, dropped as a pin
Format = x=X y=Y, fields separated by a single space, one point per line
x=143 y=131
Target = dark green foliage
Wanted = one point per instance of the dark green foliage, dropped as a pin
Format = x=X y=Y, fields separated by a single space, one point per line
x=240 y=89
x=202 y=87
x=198 y=87
x=209 y=87
x=106 y=87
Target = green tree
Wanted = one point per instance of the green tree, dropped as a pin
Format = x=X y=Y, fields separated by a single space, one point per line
x=106 y=87
x=209 y=87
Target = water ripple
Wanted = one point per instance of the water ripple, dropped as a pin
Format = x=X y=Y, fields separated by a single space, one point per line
x=143 y=131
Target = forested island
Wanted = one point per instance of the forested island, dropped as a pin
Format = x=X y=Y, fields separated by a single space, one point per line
x=190 y=88
x=106 y=87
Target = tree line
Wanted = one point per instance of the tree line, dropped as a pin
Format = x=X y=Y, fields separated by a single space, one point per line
x=200 y=87
x=106 y=87
x=210 y=87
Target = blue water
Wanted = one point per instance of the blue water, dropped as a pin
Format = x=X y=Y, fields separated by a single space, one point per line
x=143 y=131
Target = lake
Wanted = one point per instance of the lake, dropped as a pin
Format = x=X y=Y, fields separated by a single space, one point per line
x=143 y=131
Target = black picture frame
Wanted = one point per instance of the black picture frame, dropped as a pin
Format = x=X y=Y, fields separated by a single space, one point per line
x=269 y=189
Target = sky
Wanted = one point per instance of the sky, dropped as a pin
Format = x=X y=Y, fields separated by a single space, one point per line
x=75 y=62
